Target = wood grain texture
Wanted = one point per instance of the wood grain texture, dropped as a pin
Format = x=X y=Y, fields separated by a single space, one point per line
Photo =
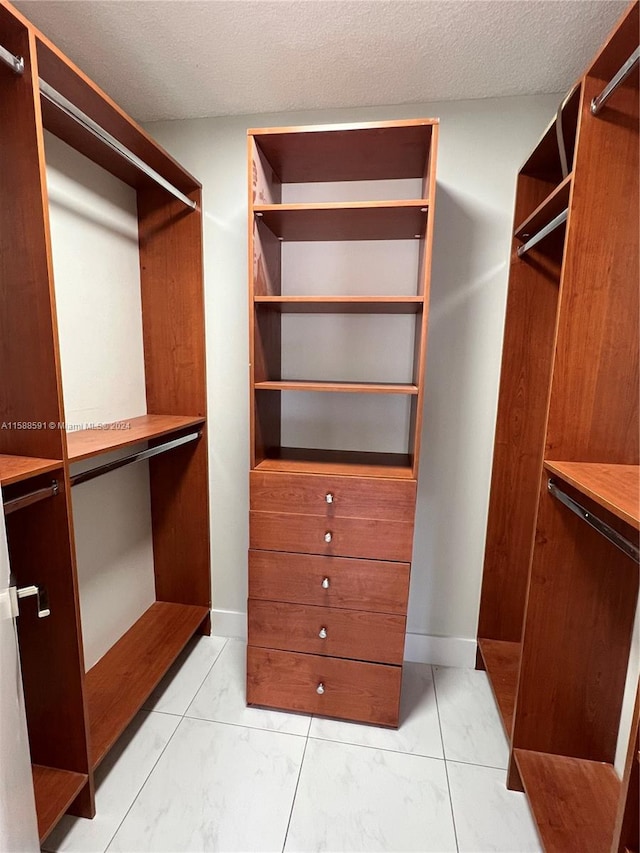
x=351 y=537
x=357 y=463
x=352 y=497
x=15 y=469
x=342 y=304
x=554 y=204
x=54 y=791
x=353 y=690
x=123 y=679
x=337 y=387
x=525 y=377
x=626 y=834
x=502 y=663
x=577 y=636
x=346 y=220
x=544 y=162
x=87 y=443
x=347 y=152
x=593 y=415
x=355 y=634
x=30 y=387
x=373 y=585
x=264 y=183
x=614 y=487
x=621 y=43
x=573 y=801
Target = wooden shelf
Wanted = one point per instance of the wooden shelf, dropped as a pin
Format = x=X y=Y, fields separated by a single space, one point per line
x=347 y=152
x=87 y=443
x=614 y=487
x=356 y=463
x=552 y=206
x=502 y=663
x=342 y=304
x=118 y=685
x=365 y=220
x=574 y=801
x=14 y=469
x=54 y=791
x=337 y=387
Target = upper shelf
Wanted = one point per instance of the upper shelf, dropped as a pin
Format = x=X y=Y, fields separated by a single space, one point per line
x=347 y=152
x=14 y=469
x=342 y=304
x=87 y=443
x=342 y=387
x=614 y=487
x=365 y=220
x=554 y=204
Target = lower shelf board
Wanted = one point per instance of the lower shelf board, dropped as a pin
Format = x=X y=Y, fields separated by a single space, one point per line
x=121 y=681
x=54 y=791
x=502 y=663
x=574 y=801
x=355 y=463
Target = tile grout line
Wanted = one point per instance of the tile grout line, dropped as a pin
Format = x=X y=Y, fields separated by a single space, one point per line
x=155 y=764
x=444 y=754
x=295 y=793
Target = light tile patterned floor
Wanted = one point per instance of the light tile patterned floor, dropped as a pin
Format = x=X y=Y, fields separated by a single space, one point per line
x=198 y=771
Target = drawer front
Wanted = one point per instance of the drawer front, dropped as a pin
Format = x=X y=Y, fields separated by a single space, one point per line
x=351 y=497
x=366 y=692
x=329 y=581
x=376 y=637
x=348 y=537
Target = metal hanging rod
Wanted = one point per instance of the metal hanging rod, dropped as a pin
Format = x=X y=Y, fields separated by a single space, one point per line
x=600 y=100
x=542 y=233
x=16 y=63
x=85 y=476
x=621 y=542
x=31 y=498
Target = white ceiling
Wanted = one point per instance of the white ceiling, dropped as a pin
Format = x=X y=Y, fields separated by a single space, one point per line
x=164 y=59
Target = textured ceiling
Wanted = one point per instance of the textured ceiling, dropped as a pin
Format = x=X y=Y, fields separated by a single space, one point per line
x=164 y=59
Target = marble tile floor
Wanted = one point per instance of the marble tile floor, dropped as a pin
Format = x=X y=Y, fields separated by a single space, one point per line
x=198 y=771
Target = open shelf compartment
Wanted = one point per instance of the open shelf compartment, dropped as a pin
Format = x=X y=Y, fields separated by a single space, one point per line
x=54 y=792
x=303 y=460
x=341 y=304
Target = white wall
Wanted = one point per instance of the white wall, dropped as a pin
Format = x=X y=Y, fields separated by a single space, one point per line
x=94 y=233
x=482 y=145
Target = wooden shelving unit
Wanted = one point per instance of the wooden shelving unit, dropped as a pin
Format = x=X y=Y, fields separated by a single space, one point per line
x=66 y=740
x=342 y=304
x=560 y=583
x=337 y=387
x=308 y=460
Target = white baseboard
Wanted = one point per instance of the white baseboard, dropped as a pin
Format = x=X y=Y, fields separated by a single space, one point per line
x=442 y=651
x=422 y=648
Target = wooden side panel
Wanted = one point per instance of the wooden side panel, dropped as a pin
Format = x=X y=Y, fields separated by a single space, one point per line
x=594 y=406
x=626 y=835
x=577 y=636
x=174 y=346
x=29 y=390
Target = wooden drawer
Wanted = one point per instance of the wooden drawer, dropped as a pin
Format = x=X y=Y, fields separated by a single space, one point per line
x=376 y=637
x=352 y=497
x=350 y=537
x=366 y=692
x=352 y=584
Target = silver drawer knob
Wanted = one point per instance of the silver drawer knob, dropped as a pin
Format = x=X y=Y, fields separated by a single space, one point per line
x=320 y=688
x=328 y=498
x=325 y=583
x=328 y=536
x=323 y=634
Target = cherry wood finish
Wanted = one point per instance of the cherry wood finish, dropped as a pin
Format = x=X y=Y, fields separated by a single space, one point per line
x=336 y=387
x=368 y=538
x=614 y=487
x=353 y=690
x=87 y=443
x=626 y=835
x=572 y=801
x=342 y=304
x=544 y=163
x=356 y=463
x=351 y=497
x=502 y=661
x=346 y=220
x=554 y=204
x=373 y=585
x=15 y=469
x=343 y=152
x=54 y=791
x=354 y=634
x=124 y=678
